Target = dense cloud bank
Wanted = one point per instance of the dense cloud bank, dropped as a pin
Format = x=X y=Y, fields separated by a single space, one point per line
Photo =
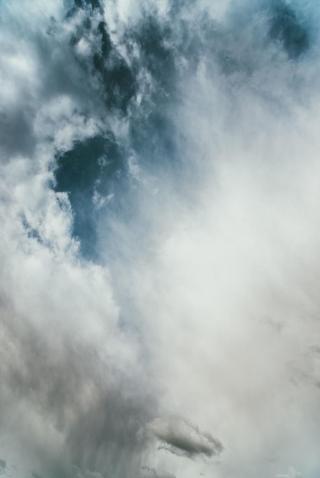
x=159 y=204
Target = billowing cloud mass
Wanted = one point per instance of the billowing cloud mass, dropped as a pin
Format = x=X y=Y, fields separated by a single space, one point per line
x=159 y=246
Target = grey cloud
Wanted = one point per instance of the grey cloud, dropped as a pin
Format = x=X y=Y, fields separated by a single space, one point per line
x=3 y=466
x=16 y=135
x=79 y=409
x=152 y=473
x=183 y=438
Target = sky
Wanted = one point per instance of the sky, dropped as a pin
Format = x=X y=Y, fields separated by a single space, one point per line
x=159 y=245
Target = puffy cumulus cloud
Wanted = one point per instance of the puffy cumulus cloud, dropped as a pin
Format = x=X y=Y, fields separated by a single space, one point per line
x=159 y=250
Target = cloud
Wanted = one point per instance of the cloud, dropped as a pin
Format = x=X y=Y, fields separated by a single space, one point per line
x=183 y=438
x=150 y=472
x=159 y=249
